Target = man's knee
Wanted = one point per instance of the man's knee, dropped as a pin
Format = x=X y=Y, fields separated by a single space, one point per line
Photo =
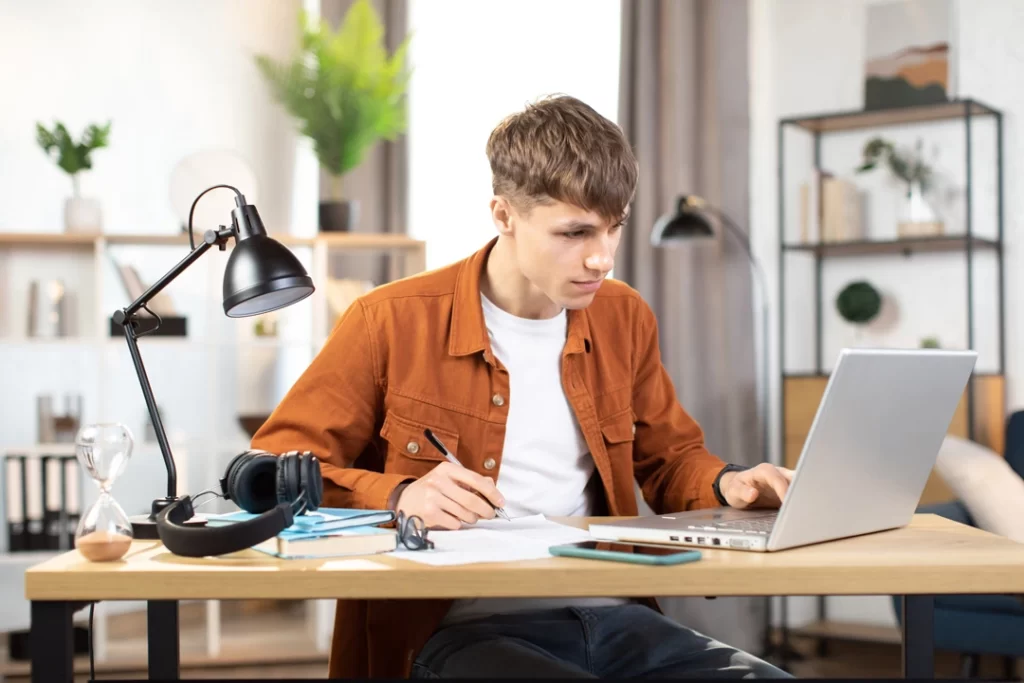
x=754 y=667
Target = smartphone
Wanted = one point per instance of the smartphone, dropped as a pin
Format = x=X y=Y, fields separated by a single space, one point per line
x=617 y=551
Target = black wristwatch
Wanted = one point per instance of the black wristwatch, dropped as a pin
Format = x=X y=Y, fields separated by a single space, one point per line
x=718 y=480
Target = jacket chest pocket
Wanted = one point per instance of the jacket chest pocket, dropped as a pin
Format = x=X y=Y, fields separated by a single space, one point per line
x=408 y=450
x=619 y=432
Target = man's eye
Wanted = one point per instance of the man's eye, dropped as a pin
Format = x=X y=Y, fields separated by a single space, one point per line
x=575 y=233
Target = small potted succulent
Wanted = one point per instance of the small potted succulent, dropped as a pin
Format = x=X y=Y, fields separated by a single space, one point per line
x=917 y=216
x=81 y=214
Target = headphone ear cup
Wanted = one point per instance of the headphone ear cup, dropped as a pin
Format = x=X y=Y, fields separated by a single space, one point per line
x=312 y=481
x=287 y=478
x=251 y=484
x=231 y=473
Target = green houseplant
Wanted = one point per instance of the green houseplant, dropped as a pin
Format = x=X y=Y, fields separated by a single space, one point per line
x=917 y=218
x=859 y=303
x=81 y=214
x=347 y=93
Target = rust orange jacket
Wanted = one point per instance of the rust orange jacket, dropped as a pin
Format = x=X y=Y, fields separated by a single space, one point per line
x=414 y=354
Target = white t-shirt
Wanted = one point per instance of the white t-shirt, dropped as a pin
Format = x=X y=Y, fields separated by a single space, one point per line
x=546 y=466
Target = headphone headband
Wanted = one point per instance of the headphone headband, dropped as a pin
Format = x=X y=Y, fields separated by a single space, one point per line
x=259 y=482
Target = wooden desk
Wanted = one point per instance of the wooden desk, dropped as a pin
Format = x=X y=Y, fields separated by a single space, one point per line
x=930 y=556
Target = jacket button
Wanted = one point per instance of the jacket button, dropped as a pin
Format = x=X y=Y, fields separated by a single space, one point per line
x=489 y=464
x=412 y=447
x=634 y=430
x=498 y=400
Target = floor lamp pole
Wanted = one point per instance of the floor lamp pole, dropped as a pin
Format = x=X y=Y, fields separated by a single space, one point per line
x=783 y=652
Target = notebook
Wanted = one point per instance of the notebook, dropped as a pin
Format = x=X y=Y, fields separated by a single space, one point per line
x=361 y=540
x=322 y=519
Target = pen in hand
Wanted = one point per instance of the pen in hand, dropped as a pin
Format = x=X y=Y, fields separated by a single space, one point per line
x=500 y=512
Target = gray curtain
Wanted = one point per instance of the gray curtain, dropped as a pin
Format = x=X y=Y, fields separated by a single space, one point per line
x=380 y=183
x=684 y=106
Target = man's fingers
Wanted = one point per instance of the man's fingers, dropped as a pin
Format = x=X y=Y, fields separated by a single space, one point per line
x=778 y=482
x=475 y=482
x=467 y=499
x=456 y=510
x=442 y=520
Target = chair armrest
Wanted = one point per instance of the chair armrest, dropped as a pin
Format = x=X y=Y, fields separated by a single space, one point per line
x=953 y=510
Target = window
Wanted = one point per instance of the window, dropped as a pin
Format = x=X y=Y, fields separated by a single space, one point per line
x=473 y=64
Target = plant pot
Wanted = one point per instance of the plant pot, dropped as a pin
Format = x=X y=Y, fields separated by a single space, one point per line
x=82 y=215
x=339 y=216
x=917 y=217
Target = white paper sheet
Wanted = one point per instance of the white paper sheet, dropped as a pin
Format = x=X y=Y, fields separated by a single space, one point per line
x=495 y=540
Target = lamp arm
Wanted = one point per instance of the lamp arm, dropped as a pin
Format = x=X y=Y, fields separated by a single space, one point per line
x=762 y=282
x=126 y=318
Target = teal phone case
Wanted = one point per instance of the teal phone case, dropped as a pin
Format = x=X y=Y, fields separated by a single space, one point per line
x=682 y=557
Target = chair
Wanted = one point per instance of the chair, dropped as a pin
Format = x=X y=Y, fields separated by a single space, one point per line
x=977 y=625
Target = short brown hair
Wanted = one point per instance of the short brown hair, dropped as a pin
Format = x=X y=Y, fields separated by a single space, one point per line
x=560 y=148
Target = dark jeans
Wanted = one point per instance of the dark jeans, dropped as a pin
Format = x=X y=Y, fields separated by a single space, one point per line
x=628 y=641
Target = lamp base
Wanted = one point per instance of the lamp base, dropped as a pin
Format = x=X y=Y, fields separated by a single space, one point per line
x=144 y=526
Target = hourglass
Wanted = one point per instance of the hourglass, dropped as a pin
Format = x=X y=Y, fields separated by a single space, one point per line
x=104 y=532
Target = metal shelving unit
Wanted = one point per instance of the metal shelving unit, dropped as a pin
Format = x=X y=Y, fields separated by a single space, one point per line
x=967 y=245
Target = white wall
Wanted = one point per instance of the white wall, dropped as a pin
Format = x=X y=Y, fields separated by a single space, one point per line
x=807 y=57
x=468 y=75
x=175 y=78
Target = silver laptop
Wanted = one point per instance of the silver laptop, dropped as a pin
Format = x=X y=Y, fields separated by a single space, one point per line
x=872 y=445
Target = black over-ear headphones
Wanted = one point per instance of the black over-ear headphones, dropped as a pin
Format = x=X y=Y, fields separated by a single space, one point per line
x=276 y=487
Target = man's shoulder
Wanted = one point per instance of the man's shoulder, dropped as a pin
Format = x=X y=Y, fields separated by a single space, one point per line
x=431 y=284
x=617 y=297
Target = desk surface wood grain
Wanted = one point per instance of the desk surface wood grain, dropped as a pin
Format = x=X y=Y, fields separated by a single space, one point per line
x=932 y=555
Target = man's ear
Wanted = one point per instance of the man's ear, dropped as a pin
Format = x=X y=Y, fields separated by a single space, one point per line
x=501 y=214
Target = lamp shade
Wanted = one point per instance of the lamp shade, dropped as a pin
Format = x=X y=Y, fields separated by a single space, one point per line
x=686 y=223
x=262 y=275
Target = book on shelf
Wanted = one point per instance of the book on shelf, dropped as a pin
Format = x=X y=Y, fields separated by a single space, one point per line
x=830 y=209
x=41 y=501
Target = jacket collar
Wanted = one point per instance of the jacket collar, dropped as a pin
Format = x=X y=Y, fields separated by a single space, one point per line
x=467 y=332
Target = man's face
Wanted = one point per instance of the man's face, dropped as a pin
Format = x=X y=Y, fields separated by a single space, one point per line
x=564 y=251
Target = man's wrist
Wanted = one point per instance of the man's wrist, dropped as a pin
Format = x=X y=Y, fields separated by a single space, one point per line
x=723 y=479
x=396 y=494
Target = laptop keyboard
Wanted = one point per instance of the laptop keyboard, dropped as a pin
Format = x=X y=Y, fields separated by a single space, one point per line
x=756 y=525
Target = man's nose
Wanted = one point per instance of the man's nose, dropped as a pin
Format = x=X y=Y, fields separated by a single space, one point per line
x=601 y=259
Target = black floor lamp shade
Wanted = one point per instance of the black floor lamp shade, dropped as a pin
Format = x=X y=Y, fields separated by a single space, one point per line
x=688 y=222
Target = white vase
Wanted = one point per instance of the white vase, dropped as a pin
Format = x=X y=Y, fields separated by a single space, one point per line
x=82 y=215
x=917 y=217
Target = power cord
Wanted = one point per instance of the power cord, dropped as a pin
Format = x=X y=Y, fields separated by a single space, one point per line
x=92 y=663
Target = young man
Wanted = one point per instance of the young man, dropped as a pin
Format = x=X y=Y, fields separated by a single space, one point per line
x=545 y=380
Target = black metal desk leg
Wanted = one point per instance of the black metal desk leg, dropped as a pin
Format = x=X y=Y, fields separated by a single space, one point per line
x=918 y=636
x=51 y=643
x=164 y=651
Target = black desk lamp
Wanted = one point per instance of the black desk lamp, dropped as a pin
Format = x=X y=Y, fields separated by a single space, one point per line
x=261 y=276
x=687 y=223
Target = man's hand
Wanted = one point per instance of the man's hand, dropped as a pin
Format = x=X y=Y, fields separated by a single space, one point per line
x=763 y=486
x=449 y=495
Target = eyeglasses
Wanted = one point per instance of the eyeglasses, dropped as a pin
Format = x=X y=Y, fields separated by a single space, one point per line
x=412 y=532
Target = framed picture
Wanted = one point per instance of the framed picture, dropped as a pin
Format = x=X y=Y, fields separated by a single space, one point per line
x=908 y=47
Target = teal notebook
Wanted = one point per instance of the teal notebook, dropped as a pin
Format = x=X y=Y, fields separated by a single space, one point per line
x=321 y=520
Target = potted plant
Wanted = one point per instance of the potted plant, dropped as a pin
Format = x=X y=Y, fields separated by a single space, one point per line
x=347 y=93
x=917 y=218
x=859 y=303
x=81 y=214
